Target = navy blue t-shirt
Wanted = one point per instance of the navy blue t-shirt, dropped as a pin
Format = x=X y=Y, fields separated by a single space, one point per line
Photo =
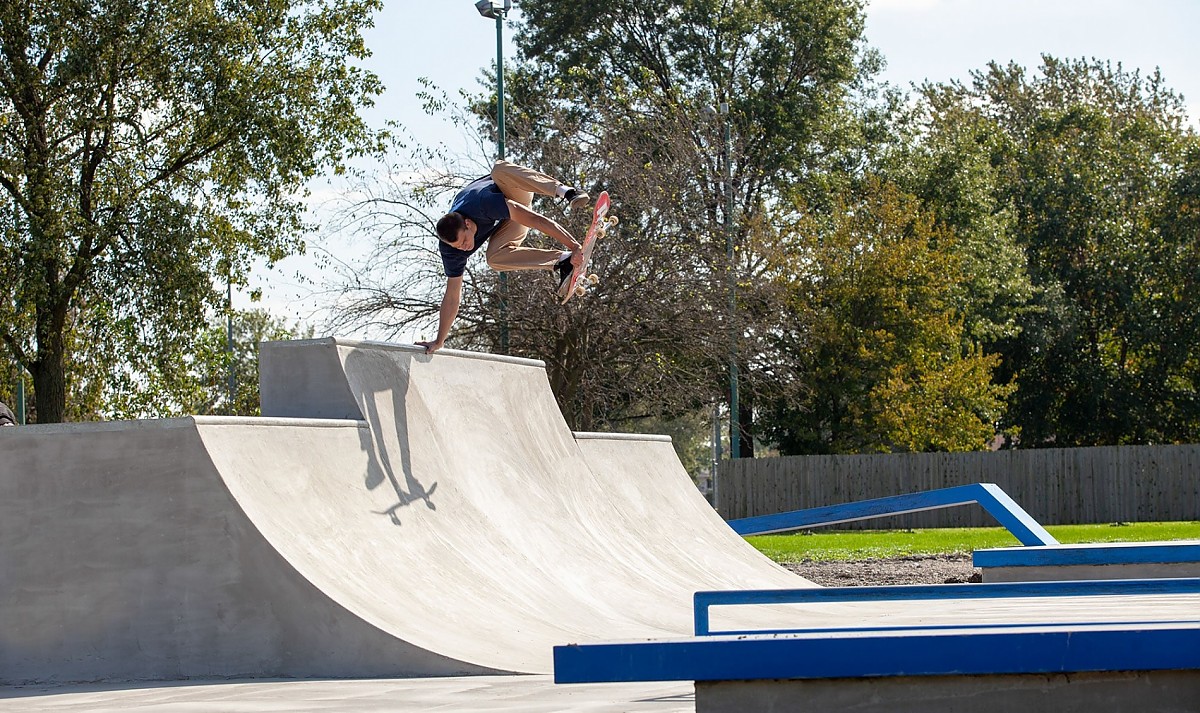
x=481 y=201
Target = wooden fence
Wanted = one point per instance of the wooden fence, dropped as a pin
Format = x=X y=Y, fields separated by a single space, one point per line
x=1056 y=486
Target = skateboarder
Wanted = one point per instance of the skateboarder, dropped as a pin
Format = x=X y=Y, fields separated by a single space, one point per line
x=496 y=210
x=7 y=418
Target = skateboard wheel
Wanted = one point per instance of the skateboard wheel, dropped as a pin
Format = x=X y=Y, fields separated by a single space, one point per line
x=580 y=291
x=600 y=233
x=594 y=279
x=611 y=220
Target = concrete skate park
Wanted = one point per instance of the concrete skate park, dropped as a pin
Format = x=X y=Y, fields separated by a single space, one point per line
x=402 y=531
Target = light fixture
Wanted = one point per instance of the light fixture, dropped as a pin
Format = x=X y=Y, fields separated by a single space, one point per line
x=492 y=9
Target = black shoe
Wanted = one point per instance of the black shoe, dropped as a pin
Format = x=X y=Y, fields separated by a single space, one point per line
x=565 y=269
x=577 y=199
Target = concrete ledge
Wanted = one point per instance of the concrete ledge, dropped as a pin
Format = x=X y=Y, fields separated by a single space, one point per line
x=1105 y=601
x=1123 y=560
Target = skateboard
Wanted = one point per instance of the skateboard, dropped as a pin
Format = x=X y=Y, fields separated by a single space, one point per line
x=601 y=222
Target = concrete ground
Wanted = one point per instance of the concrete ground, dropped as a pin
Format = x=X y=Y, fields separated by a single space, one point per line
x=515 y=694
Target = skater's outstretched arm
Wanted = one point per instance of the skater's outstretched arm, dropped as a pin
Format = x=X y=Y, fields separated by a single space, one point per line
x=447 y=314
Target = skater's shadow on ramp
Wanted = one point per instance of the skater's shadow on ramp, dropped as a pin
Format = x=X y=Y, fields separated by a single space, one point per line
x=378 y=373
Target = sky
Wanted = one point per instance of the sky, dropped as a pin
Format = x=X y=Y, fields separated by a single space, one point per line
x=449 y=43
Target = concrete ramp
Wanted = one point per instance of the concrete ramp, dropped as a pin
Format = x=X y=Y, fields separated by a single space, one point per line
x=519 y=536
x=394 y=515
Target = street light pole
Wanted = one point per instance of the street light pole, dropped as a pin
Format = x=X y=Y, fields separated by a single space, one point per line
x=500 y=85
x=500 y=155
x=229 y=336
x=496 y=9
x=20 y=367
x=735 y=450
x=715 y=495
x=20 y=394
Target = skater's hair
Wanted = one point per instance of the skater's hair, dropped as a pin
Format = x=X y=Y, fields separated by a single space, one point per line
x=448 y=227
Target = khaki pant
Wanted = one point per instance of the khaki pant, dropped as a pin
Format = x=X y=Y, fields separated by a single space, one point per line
x=505 y=250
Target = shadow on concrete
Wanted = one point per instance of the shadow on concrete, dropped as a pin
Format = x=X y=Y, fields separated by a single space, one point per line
x=678 y=698
x=381 y=369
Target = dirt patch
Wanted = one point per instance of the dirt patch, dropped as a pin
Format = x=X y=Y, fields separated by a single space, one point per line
x=917 y=569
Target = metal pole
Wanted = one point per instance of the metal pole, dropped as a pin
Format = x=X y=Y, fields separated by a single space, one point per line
x=500 y=152
x=735 y=450
x=229 y=334
x=20 y=366
x=716 y=454
x=20 y=394
x=500 y=82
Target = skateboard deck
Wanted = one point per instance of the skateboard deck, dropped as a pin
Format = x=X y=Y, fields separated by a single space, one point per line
x=580 y=279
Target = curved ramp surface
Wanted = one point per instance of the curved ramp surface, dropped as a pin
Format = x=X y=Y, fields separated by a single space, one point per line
x=522 y=537
x=438 y=519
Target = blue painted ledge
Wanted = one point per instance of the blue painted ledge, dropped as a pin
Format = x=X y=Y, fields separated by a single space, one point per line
x=1103 y=553
x=1045 y=650
x=989 y=496
x=877 y=651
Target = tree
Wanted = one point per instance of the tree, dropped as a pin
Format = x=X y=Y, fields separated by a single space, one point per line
x=875 y=339
x=1087 y=174
x=202 y=386
x=955 y=162
x=148 y=150
x=214 y=361
x=625 y=93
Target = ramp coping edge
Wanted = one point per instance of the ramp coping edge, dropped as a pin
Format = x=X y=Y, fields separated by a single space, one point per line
x=283 y=421
x=592 y=435
x=145 y=424
x=370 y=344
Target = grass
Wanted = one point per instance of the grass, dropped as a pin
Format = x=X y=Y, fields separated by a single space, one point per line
x=821 y=545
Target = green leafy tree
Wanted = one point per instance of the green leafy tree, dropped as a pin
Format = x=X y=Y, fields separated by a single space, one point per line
x=1168 y=318
x=1087 y=173
x=875 y=339
x=148 y=150
x=957 y=163
x=203 y=386
x=214 y=362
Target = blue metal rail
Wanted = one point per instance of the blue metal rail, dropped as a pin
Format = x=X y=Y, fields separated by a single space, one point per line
x=989 y=496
